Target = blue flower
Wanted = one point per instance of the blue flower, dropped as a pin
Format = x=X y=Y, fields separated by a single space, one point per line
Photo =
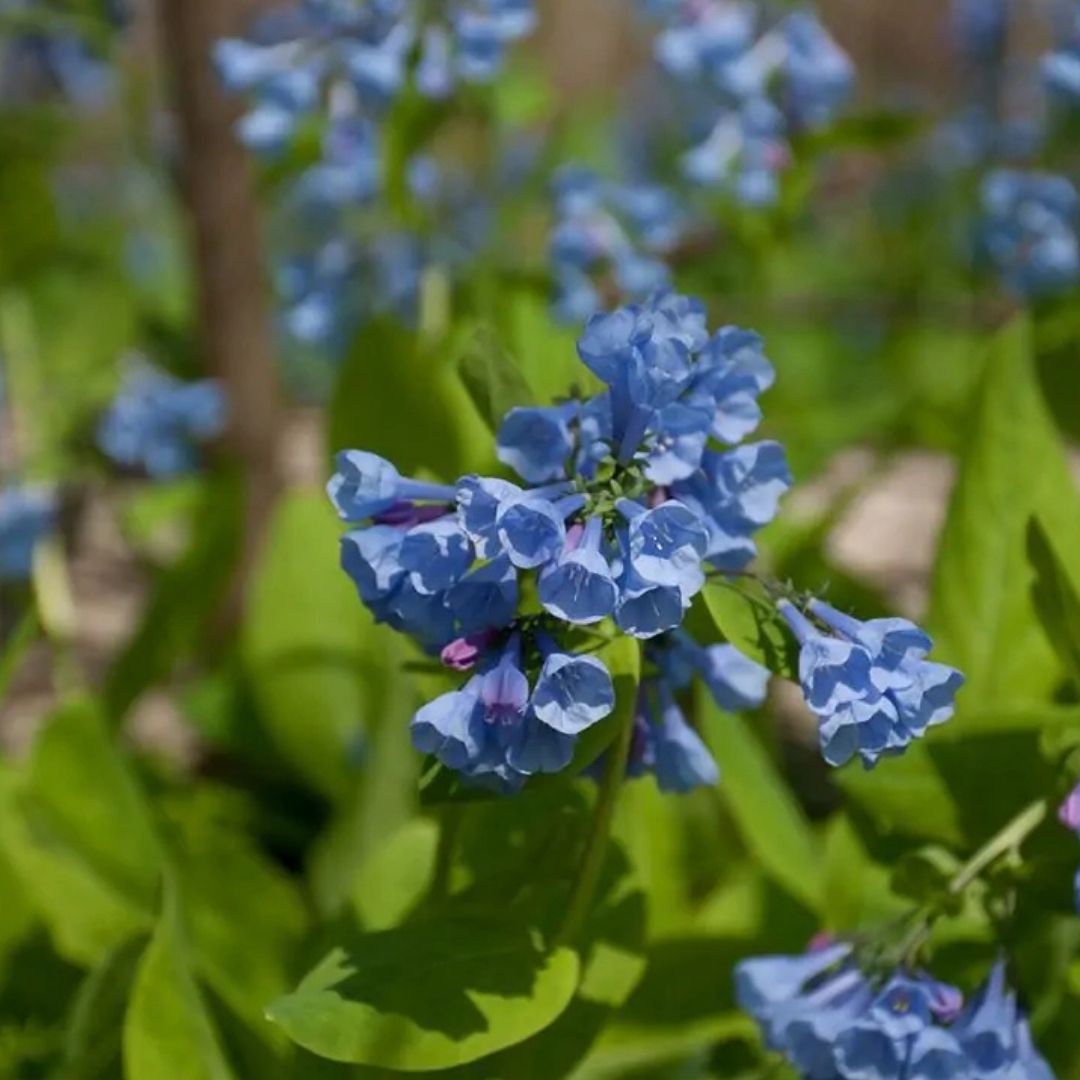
x=735 y=682
x=995 y=1036
x=579 y=587
x=365 y=485
x=602 y=228
x=437 y=554
x=156 y=422
x=820 y=75
x=531 y=529
x=1069 y=812
x=980 y=28
x=497 y=730
x=871 y=687
x=573 y=693
x=27 y=514
x=665 y=545
x=681 y=761
x=536 y=442
x=1029 y=231
x=486 y=598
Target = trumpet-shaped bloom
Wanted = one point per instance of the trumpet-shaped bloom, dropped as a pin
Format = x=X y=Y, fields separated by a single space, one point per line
x=579 y=587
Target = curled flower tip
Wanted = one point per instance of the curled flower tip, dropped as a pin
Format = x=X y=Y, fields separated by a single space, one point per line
x=1069 y=811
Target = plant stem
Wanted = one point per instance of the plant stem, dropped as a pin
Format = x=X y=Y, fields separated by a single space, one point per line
x=450 y=826
x=1008 y=839
x=592 y=862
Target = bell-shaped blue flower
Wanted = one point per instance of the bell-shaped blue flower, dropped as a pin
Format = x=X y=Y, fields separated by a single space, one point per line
x=579 y=587
x=681 y=761
x=536 y=442
x=532 y=530
x=646 y=610
x=539 y=748
x=452 y=728
x=372 y=558
x=438 y=554
x=26 y=515
x=479 y=499
x=665 y=545
x=486 y=598
x=365 y=485
x=573 y=693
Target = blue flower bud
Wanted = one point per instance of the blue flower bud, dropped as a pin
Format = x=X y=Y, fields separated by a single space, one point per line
x=536 y=443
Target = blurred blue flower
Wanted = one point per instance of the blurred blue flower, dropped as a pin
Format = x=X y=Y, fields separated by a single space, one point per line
x=156 y=422
x=980 y=29
x=609 y=237
x=359 y=58
x=871 y=686
x=27 y=514
x=1061 y=67
x=766 y=79
x=831 y=1020
x=1029 y=231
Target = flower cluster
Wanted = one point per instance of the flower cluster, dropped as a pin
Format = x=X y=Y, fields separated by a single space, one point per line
x=630 y=502
x=357 y=58
x=831 y=1021
x=664 y=743
x=1061 y=67
x=1029 y=231
x=39 y=60
x=607 y=230
x=980 y=29
x=340 y=272
x=26 y=515
x=156 y=422
x=766 y=81
x=869 y=683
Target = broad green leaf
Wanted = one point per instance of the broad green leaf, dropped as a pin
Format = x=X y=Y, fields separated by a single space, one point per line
x=1013 y=468
x=93 y=1040
x=183 y=600
x=749 y=621
x=81 y=783
x=429 y=995
x=388 y=368
x=494 y=381
x=1055 y=597
x=308 y=643
x=242 y=947
x=906 y=795
x=395 y=877
x=168 y=1034
x=770 y=821
x=857 y=890
x=545 y=350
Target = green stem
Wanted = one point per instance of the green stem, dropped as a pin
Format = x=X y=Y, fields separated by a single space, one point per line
x=592 y=862
x=444 y=853
x=1002 y=843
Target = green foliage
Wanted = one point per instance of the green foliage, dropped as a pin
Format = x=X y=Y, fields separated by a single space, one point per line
x=430 y=995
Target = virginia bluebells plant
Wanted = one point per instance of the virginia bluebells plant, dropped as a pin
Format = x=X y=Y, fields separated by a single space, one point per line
x=831 y=1019
x=630 y=497
x=156 y=422
x=869 y=683
x=768 y=80
x=609 y=236
x=27 y=513
x=1029 y=231
x=355 y=59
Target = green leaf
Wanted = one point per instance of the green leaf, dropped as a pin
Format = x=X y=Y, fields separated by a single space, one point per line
x=388 y=367
x=1055 y=597
x=93 y=1041
x=1013 y=468
x=395 y=877
x=770 y=821
x=168 y=1034
x=430 y=995
x=78 y=837
x=492 y=378
x=184 y=599
x=748 y=620
x=82 y=784
x=309 y=645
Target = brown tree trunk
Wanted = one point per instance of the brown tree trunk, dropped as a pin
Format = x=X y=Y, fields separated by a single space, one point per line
x=218 y=187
